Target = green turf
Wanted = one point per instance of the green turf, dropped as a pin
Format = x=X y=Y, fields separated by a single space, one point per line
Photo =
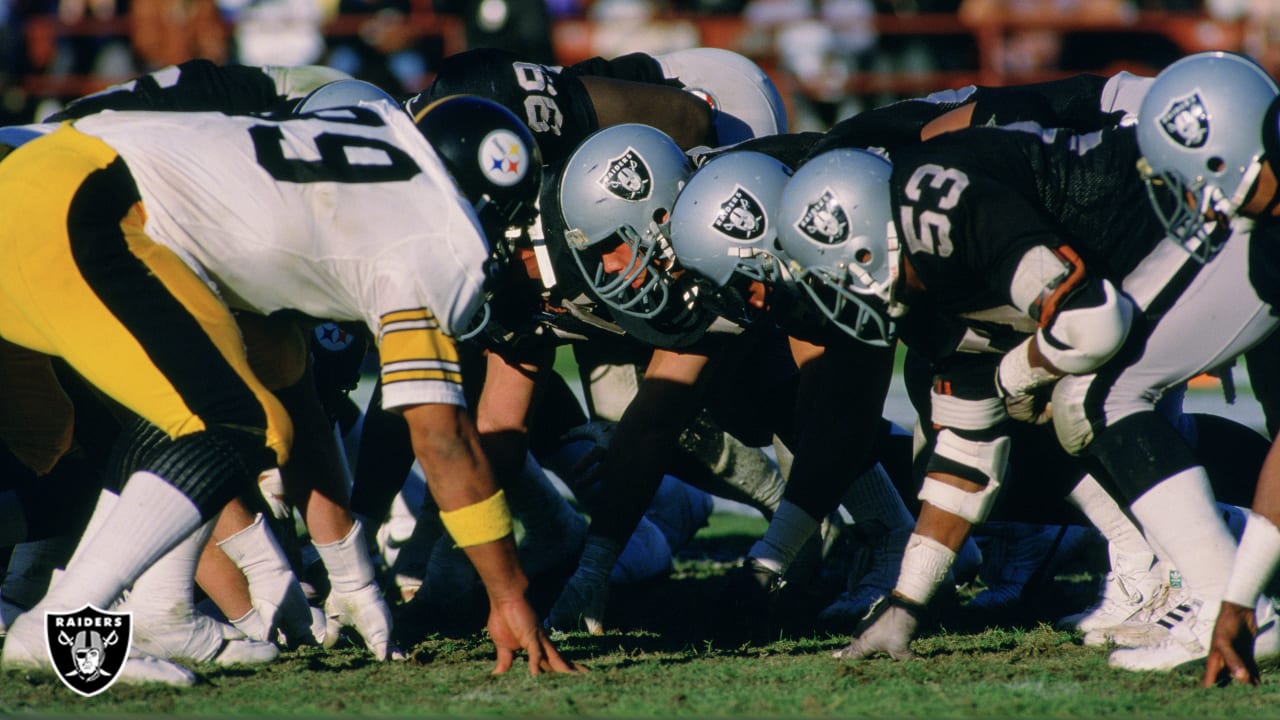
x=660 y=662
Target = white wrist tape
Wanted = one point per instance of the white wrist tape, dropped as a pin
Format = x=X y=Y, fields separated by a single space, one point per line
x=925 y=563
x=988 y=458
x=1255 y=563
x=1016 y=376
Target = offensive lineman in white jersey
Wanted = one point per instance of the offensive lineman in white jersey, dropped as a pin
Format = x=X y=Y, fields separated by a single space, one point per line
x=130 y=235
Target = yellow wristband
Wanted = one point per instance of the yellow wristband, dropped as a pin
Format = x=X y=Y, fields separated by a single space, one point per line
x=479 y=523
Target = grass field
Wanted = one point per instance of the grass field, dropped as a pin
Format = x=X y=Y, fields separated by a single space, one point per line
x=658 y=661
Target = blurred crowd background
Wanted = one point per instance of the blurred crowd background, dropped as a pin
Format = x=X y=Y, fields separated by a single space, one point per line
x=830 y=58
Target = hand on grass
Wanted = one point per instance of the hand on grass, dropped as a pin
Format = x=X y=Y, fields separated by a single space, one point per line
x=514 y=627
x=1231 y=650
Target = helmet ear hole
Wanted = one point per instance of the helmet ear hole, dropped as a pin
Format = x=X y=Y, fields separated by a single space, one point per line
x=862 y=256
x=1215 y=164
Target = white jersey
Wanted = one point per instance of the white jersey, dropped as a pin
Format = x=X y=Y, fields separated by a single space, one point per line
x=347 y=216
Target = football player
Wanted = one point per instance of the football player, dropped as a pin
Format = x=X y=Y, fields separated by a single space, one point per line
x=155 y=230
x=275 y=600
x=1068 y=194
x=566 y=105
x=744 y=276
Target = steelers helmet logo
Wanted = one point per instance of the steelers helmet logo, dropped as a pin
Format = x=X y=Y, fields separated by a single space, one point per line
x=1186 y=121
x=824 y=221
x=332 y=337
x=628 y=177
x=740 y=216
x=503 y=158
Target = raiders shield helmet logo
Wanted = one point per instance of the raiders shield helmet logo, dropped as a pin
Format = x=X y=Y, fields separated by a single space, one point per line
x=740 y=216
x=88 y=647
x=628 y=177
x=824 y=220
x=1187 y=121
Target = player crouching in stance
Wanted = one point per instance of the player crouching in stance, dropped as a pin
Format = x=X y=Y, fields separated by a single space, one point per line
x=128 y=223
x=1110 y=301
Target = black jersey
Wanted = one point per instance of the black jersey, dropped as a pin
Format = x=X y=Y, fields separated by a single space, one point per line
x=969 y=205
x=1074 y=103
x=554 y=104
x=195 y=85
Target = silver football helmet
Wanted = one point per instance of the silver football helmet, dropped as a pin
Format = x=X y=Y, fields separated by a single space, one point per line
x=618 y=186
x=724 y=229
x=1200 y=135
x=341 y=93
x=836 y=226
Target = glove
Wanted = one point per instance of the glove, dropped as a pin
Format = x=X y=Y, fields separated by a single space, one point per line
x=284 y=616
x=599 y=432
x=888 y=628
x=581 y=604
x=285 y=612
x=355 y=599
x=1033 y=407
x=583 y=600
x=1024 y=388
x=366 y=611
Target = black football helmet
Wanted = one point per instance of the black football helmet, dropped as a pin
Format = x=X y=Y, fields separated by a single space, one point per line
x=492 y=157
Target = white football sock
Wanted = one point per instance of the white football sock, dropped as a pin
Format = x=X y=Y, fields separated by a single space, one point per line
x=1180 y=516
x=788 y=531
x=347 y=561
x=149 y=518
x=1102 y=510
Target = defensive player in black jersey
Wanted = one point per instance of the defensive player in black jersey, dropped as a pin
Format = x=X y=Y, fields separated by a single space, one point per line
x=1073 y=199
x=703 y=225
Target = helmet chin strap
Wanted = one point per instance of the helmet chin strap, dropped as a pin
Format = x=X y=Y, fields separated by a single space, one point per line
x=1248 y=183
x=546 y=270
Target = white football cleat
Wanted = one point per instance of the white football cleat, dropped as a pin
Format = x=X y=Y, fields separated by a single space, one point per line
x=1190 y=629
x=1137 y=596
x=197 y=638
x=366 y=611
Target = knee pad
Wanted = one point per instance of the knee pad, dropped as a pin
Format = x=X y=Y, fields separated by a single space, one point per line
x=210 y=467
x=1071 y=420
x=965 y=414
x=974 y=460
x=138 y=440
